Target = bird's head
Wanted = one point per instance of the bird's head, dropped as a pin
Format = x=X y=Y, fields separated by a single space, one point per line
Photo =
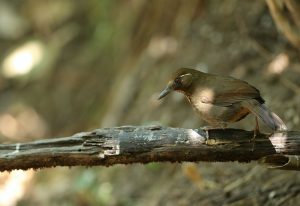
x=180 y=81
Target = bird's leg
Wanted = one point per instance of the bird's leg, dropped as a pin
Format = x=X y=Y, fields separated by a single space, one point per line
x=216 y=126
x=206 y=129
x=256 y=130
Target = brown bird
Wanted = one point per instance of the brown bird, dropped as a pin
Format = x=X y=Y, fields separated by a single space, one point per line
x=220 y=100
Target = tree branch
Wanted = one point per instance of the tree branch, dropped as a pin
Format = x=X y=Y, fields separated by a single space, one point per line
x=130 y=144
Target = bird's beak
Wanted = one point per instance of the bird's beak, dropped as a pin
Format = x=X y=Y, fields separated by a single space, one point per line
x=165 y=92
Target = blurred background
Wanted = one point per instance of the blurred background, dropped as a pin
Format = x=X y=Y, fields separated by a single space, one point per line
x=70 y=66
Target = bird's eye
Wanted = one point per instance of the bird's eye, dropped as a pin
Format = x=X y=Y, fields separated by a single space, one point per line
x=177 y=80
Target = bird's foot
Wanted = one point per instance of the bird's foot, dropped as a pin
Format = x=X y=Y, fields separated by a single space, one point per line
x=256 y=131
x=206 y=129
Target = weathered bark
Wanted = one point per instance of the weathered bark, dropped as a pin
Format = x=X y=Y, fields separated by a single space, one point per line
x=130 y=144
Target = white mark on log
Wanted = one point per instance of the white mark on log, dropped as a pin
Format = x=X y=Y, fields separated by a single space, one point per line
x=18 y=145
x=17 y=148
x=101 y=155
x=194 y=137
x=115 y=149
x=150 y=137
x=278 y=140
x=81 y=134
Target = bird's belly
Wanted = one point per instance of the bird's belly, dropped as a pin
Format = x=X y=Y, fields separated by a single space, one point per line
x=219 y=115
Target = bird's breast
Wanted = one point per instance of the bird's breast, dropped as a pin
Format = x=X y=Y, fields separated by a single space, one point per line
x=206 y=111
x=217 y=114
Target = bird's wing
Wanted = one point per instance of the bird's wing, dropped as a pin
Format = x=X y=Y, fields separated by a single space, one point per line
x=228 y=91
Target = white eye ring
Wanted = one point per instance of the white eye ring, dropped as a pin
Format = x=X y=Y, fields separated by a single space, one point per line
x=188 y=74
x=186 y=79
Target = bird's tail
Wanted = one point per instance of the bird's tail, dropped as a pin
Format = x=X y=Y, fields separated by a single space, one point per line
x=269 y=118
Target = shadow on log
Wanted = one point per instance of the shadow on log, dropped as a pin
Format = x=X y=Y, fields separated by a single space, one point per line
x=144 y=144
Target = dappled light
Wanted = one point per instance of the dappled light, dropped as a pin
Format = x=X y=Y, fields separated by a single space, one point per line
x=279 y=64
x=13 y=186
x=160 y=46
x=24 y=123
x=194 y=137
x=23 y=59
x=280 y=140
x=206 y=95
x=8 y=125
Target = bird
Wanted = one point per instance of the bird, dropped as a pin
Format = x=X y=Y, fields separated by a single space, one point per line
x=220 y=100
